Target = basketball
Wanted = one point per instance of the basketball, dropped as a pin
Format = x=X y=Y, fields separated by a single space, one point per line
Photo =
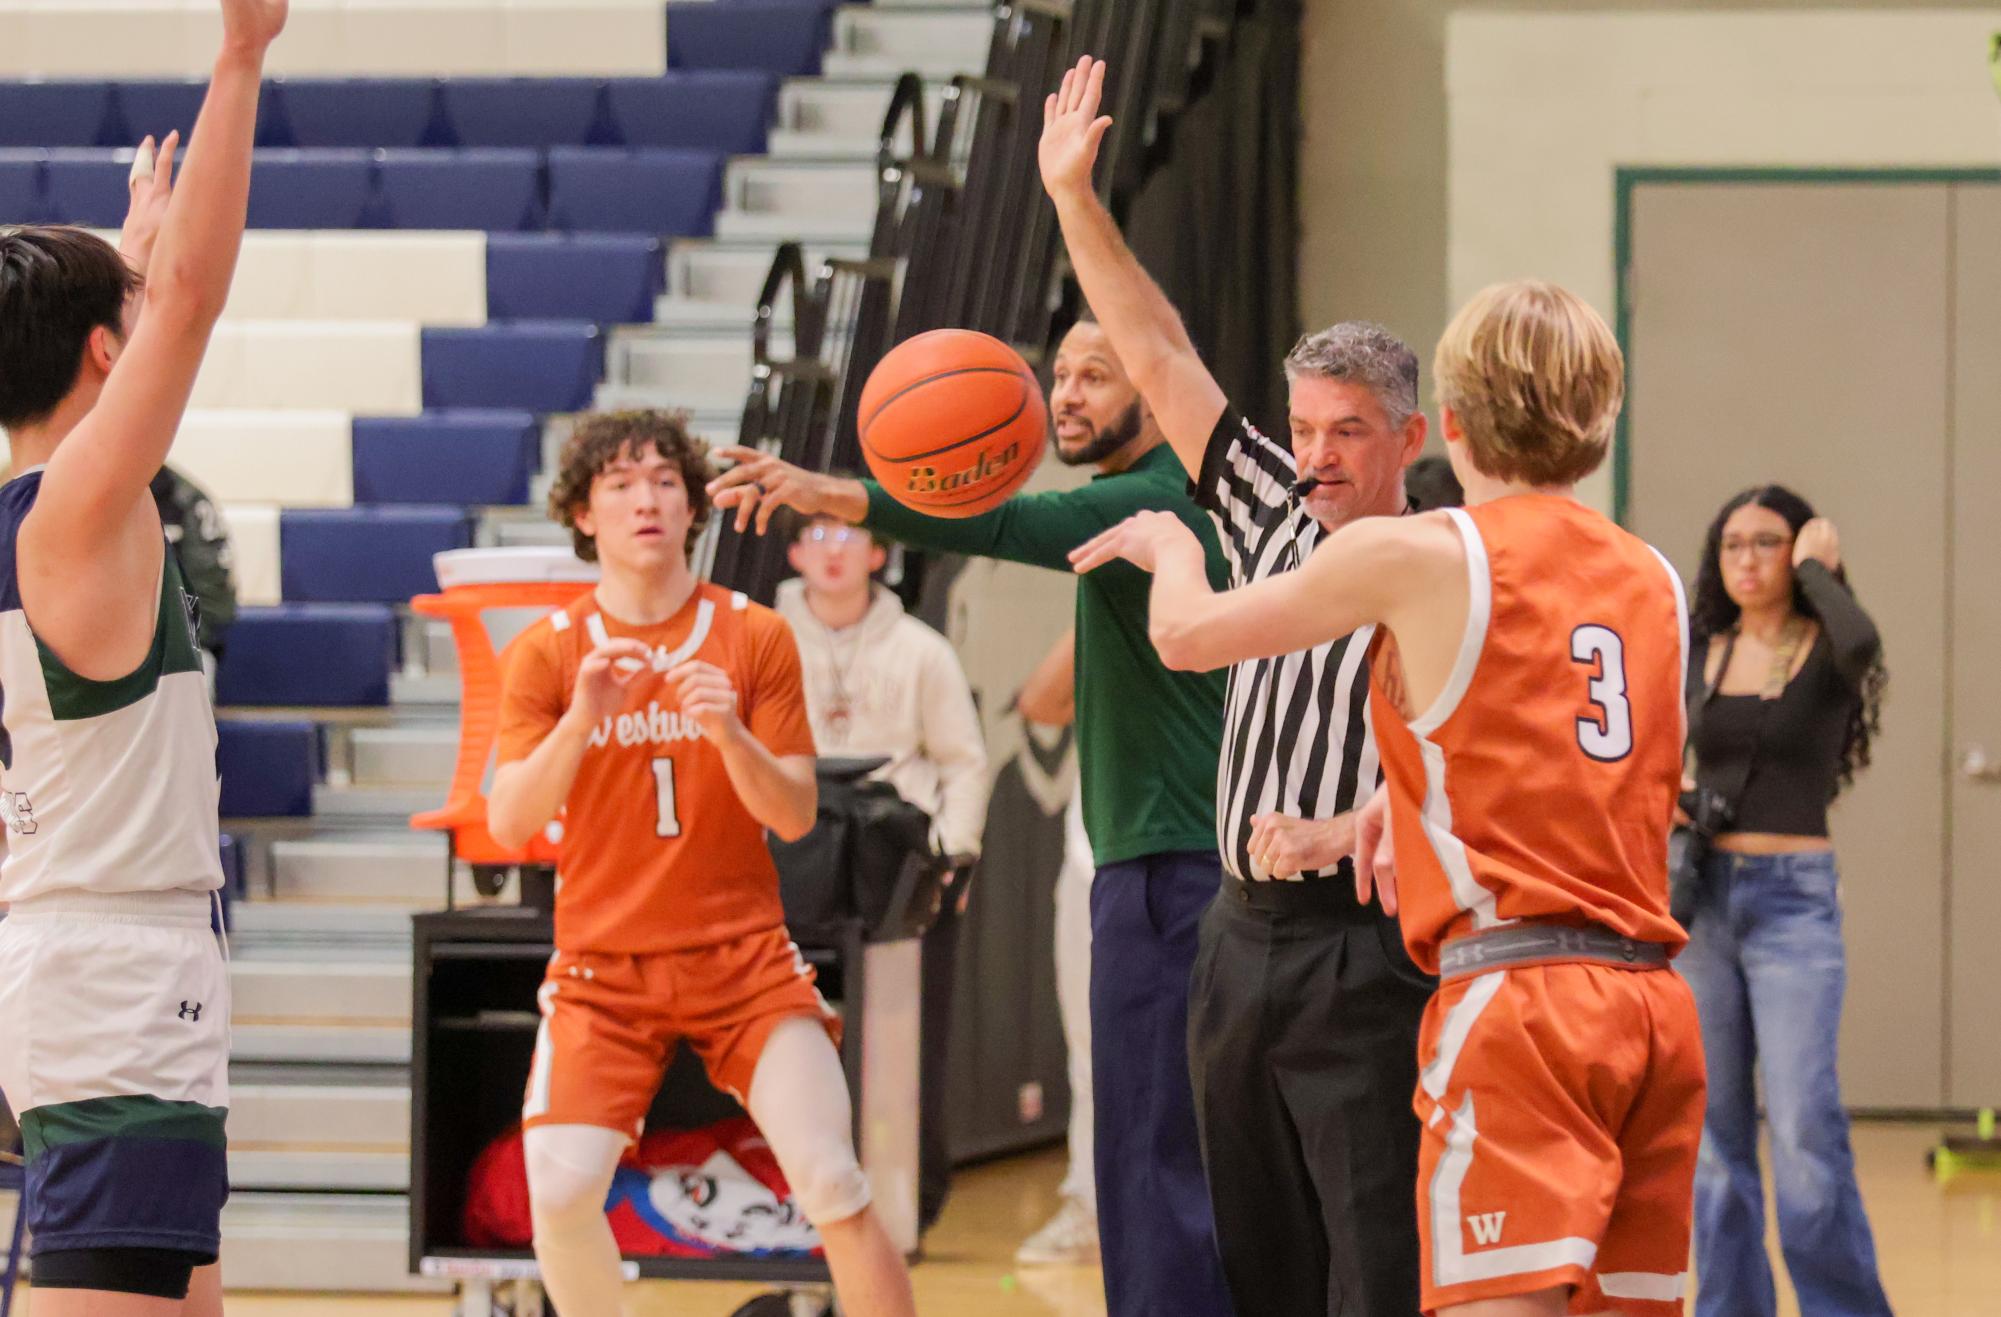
x=952 y=422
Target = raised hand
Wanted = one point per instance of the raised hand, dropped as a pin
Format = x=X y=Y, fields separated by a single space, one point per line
x=603 y=676
x=252 y=24
x=152 y=186
x=1072 y=129
x=759 y=484
x=1817 y=539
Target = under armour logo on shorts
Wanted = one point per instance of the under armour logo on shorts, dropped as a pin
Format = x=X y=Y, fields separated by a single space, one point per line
x=191 y=1011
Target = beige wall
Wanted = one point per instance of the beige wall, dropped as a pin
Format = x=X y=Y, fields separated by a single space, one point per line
x=1906 y=84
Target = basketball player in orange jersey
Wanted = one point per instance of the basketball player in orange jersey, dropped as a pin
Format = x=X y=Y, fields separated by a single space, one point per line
x=1527 y=672
x=664 y=717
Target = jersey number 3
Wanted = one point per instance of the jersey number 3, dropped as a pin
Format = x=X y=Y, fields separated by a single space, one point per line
x=1606 y=733
x=668 y=823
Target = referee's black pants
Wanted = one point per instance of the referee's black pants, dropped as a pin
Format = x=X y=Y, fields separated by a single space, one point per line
x=1302 y=1041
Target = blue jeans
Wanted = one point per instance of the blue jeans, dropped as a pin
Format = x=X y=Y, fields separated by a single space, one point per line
x=1766 y=963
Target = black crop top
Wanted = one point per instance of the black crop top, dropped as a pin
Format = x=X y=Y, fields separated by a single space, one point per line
x=1796 y=753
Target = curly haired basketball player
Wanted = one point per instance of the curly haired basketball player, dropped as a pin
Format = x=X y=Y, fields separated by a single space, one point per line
x=1528 y=670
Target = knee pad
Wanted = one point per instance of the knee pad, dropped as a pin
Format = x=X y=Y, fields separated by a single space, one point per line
x=157 y=1273
x=827 y=1184
x=569 y=1173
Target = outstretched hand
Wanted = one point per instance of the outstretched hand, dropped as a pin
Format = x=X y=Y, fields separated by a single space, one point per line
x=1072 y=129
x=1141 y=539
x=252 y=24
x=760 y=484
x=152 y=186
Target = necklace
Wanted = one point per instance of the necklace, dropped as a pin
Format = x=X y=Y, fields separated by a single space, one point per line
x=839 y=715
x=1780 y=673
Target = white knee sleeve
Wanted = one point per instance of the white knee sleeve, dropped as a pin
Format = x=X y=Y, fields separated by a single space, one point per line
x=569 y=1173
x=799 y=1099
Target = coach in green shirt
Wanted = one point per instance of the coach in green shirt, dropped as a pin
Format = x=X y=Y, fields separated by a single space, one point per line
x=1147 y=748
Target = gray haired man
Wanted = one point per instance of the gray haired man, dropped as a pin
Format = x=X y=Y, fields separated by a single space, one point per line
x=1303 y=1023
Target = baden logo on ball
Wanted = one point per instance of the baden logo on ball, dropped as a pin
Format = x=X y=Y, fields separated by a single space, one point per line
x=952 y=422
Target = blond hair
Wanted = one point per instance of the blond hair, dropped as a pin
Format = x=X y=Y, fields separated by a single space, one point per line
x=1535 y=378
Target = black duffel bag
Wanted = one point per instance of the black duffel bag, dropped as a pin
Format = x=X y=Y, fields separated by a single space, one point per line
x=868 y=859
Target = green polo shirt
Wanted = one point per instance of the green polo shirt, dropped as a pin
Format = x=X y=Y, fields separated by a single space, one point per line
x=1147 y=737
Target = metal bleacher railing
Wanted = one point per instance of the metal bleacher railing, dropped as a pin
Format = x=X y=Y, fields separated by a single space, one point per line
x=962 y=237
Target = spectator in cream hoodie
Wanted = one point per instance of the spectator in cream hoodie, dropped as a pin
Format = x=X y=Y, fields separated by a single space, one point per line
x=880 y=682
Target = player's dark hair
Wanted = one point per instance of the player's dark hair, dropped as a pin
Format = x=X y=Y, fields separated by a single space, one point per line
x=601 y=439
x=57 y=285
x=1713 y=613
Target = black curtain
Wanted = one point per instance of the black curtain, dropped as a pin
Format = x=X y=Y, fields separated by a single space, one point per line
x=1216 y=221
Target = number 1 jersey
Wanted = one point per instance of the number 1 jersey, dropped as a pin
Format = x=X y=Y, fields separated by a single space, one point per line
x=1541 y=783
x=658 y=851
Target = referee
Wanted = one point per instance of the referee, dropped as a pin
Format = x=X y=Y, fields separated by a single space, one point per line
x=1303 y=1025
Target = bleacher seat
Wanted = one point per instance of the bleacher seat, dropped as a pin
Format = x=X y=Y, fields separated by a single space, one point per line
x=470 y=458
x=608 y=278
x=535 y=366
x=309 y=654
x=268 y=770
x=657 y=190
x=724 y=110
x=20 y=186
x=370 y=112
x=784 y=37
x=297 y=458
x=362 y=366
x=427 y=278
x=70 y=112
x=253 y=548
x=365 y=554
x=160 y=106
x=316 y=190
x=522 y=111
x=478 y=189
x=87 y=186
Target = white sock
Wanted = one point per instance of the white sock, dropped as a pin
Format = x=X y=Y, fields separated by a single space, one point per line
x=569 y=1173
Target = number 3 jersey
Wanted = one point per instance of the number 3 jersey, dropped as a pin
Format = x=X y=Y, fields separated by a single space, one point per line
x=1542 y=781
x=658 y=852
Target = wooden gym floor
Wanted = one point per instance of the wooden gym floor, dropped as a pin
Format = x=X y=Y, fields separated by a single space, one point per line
x=1940 y=1250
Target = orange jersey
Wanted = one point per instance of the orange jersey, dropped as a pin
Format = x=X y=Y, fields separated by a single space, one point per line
x=1542 y=781
x=658 y=852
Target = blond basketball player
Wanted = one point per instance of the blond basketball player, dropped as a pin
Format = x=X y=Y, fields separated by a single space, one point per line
x=1527 y=700
x=664 y=717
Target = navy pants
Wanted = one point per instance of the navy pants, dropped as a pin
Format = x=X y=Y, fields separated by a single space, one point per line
x=1155 y=1230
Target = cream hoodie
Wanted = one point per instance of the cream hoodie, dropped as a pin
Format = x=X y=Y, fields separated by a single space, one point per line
x=890 y=685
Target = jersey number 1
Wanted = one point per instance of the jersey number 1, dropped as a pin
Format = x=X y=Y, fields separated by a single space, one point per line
x=1606 y=734
x=668 y=824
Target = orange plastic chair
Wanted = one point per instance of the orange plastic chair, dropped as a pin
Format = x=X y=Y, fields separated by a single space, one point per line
x=477 y=584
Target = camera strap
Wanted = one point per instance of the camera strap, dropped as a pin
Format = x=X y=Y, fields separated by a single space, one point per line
x=1776 y=679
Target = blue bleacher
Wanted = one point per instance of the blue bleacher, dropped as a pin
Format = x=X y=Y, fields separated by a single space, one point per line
x=268 y=770
x=309 y=654
x=316 y=190
x=365 y=554
x=159 y=107
x=522 y=111
x=473 y=458
x=480 y=189
x=551 y=366
x=67 y=113
x=370 y=112
x=648 y=190
x=20 y=186
x=607 y=278
x=726 y=110
x=783 y=37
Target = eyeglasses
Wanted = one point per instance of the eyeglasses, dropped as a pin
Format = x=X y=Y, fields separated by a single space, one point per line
x=1764 y=546
x=834 y=535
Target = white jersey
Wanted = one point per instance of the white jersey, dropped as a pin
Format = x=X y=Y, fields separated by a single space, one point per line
x=106 y=787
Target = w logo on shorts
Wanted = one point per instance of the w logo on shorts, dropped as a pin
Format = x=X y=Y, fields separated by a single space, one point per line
x=1486 y=1226
x=191 y=1010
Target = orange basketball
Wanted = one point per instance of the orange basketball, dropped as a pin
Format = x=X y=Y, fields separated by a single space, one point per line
x=952 y=422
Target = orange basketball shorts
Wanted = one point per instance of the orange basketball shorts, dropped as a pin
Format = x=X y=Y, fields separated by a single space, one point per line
x=610 y=1023
x=1562 y=1108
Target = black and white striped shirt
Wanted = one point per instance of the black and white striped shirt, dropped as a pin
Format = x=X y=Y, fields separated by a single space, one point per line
x=1296 y=736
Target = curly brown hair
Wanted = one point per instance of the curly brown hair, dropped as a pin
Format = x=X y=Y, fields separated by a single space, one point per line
x=600 y=439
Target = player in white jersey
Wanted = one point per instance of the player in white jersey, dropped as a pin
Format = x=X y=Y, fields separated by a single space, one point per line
x=114 y=999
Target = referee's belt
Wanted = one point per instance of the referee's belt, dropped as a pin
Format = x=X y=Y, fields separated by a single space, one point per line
x=1531 y=942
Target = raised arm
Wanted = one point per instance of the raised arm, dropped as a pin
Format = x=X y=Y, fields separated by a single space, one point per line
x=1143 y=326
x=103 y=467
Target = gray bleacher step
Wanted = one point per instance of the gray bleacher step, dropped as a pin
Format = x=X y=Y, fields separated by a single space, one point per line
x=292 y=989
x=843 y=109
x=341 y=1243
x=710 y=371
x=825 y=147
x=436 y=649
x=286 y=925
x=787 y=226
x=733 y=273
x=357 y=1044
x=408 y=868
x=948 y=38
x=317 y=1171
x=761 y=185
x=424 y=690
x=709 y=424
x=353 y=1114
x=404 y=756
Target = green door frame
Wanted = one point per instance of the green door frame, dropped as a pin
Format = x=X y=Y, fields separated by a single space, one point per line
x=1628 y=179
